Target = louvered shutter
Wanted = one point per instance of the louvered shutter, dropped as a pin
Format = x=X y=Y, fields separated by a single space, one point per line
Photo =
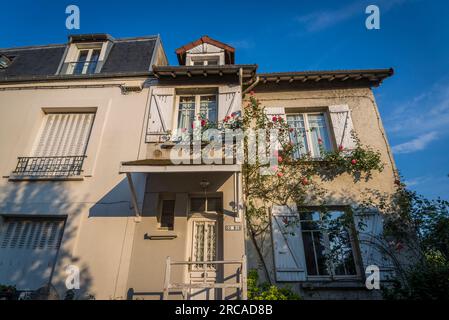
x=64 y=134
x=369 y=225
x=28 y=250
x=229 y=100
x=160 y=114
x=287 y=245
x=342 y=125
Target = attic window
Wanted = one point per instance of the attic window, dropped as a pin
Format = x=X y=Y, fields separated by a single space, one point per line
x=209 y=61
x=4 y=62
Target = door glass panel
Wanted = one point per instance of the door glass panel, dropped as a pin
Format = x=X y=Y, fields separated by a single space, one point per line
x=186 y=113
x=298 y=134
x=198 y=246
x=319 y=134
x=208 y=108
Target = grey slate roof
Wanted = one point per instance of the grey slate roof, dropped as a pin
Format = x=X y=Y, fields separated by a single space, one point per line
x=126 y=57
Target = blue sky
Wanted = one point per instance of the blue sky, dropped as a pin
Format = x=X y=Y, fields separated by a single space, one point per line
x=295 y=36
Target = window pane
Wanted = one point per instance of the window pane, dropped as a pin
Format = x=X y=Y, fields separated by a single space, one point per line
x=93 y=61
x=318 y=133
x=198 y=204
x=168 y=214
x=320 y=253
x=214 y=204
x=309 y=253
x=208 y=108
x=298 y=135
x=81 y=62
x=186 y=113
x=212 y=62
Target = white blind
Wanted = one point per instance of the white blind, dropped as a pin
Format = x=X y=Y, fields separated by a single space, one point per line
x=64 y=134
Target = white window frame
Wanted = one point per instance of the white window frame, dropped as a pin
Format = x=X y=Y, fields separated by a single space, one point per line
x=197 y=106
x=353 y=242
x=305 y=116
x=88 y=59
x=205 y=60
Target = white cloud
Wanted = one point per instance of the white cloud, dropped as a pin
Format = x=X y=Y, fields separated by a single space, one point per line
x=417 y=144
x=317 y=21
x=426 y=112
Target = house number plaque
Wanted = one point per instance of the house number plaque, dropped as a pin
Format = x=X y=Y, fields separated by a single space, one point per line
x=233 y=228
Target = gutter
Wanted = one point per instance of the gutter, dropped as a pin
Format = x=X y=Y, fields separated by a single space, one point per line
x=255 y=83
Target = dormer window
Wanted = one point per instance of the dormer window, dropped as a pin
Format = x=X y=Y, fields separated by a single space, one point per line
x=206 y=52
x=205 y=61
x=87 y=61
x=86 y=54
x=4 y=61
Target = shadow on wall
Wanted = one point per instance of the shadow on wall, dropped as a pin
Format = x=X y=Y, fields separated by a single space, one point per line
x=31 y=259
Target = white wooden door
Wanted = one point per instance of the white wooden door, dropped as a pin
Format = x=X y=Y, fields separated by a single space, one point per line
x=203 y=248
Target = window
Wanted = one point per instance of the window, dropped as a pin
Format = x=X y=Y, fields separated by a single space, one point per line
x=87 y=61
x=168 y=215
x=205 y=204
x=328 y=244
x=209 y=61
x=4 y=61
x=310 y=133
x=60 y=147
x=200 y=105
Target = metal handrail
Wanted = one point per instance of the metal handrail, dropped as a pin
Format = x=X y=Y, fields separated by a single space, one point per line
x=241 y=285
x=51 y=166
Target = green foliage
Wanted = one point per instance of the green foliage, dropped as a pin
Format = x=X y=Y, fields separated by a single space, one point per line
x=266 y=291
x=7 y=289
x=426 y=280
x=423 y=225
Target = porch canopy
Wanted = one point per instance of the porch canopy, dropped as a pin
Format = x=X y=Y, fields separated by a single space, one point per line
x=167 y=166
x=155 y=165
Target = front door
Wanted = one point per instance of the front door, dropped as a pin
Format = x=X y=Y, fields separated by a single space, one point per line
x=203 y=249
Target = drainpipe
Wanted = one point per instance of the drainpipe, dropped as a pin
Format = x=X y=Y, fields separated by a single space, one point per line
x=255 y=83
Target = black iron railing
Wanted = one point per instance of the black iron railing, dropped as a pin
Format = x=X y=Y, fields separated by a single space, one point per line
x=50 y=166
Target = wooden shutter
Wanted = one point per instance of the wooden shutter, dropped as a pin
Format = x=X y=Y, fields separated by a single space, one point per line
x=28 y=250
x=369 y=225
x=64 y=134
x=161 y=114
x=229 y=100
x=287 y=245
x=342 y=124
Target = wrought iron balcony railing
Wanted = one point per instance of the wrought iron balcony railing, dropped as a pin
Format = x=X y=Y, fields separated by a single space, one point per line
x=50 y=166
x=81 y=67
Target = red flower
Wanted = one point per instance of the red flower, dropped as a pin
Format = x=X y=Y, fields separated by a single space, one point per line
x=252 y=93
x=280 y=159
x=305 y=181
x=274 y=119
x=354 y=161
x=320 y=141
x=203 y=123
x=280 y=174
x=291 y=129
x=341 y=148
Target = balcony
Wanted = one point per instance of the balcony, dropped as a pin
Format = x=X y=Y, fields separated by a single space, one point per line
x=48 y=167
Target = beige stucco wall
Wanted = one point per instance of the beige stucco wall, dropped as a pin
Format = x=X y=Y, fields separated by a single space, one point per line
x=342 y=190
x=99 y=214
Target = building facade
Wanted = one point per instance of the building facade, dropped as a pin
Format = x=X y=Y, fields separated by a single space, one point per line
x=89 y=131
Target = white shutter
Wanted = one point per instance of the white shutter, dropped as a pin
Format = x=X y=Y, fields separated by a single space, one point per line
x=369 y=225
x=229 y=100
x=161 y=113
x=287 y=245
x=342 y=124
x=64 y=134
x=28 y=250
